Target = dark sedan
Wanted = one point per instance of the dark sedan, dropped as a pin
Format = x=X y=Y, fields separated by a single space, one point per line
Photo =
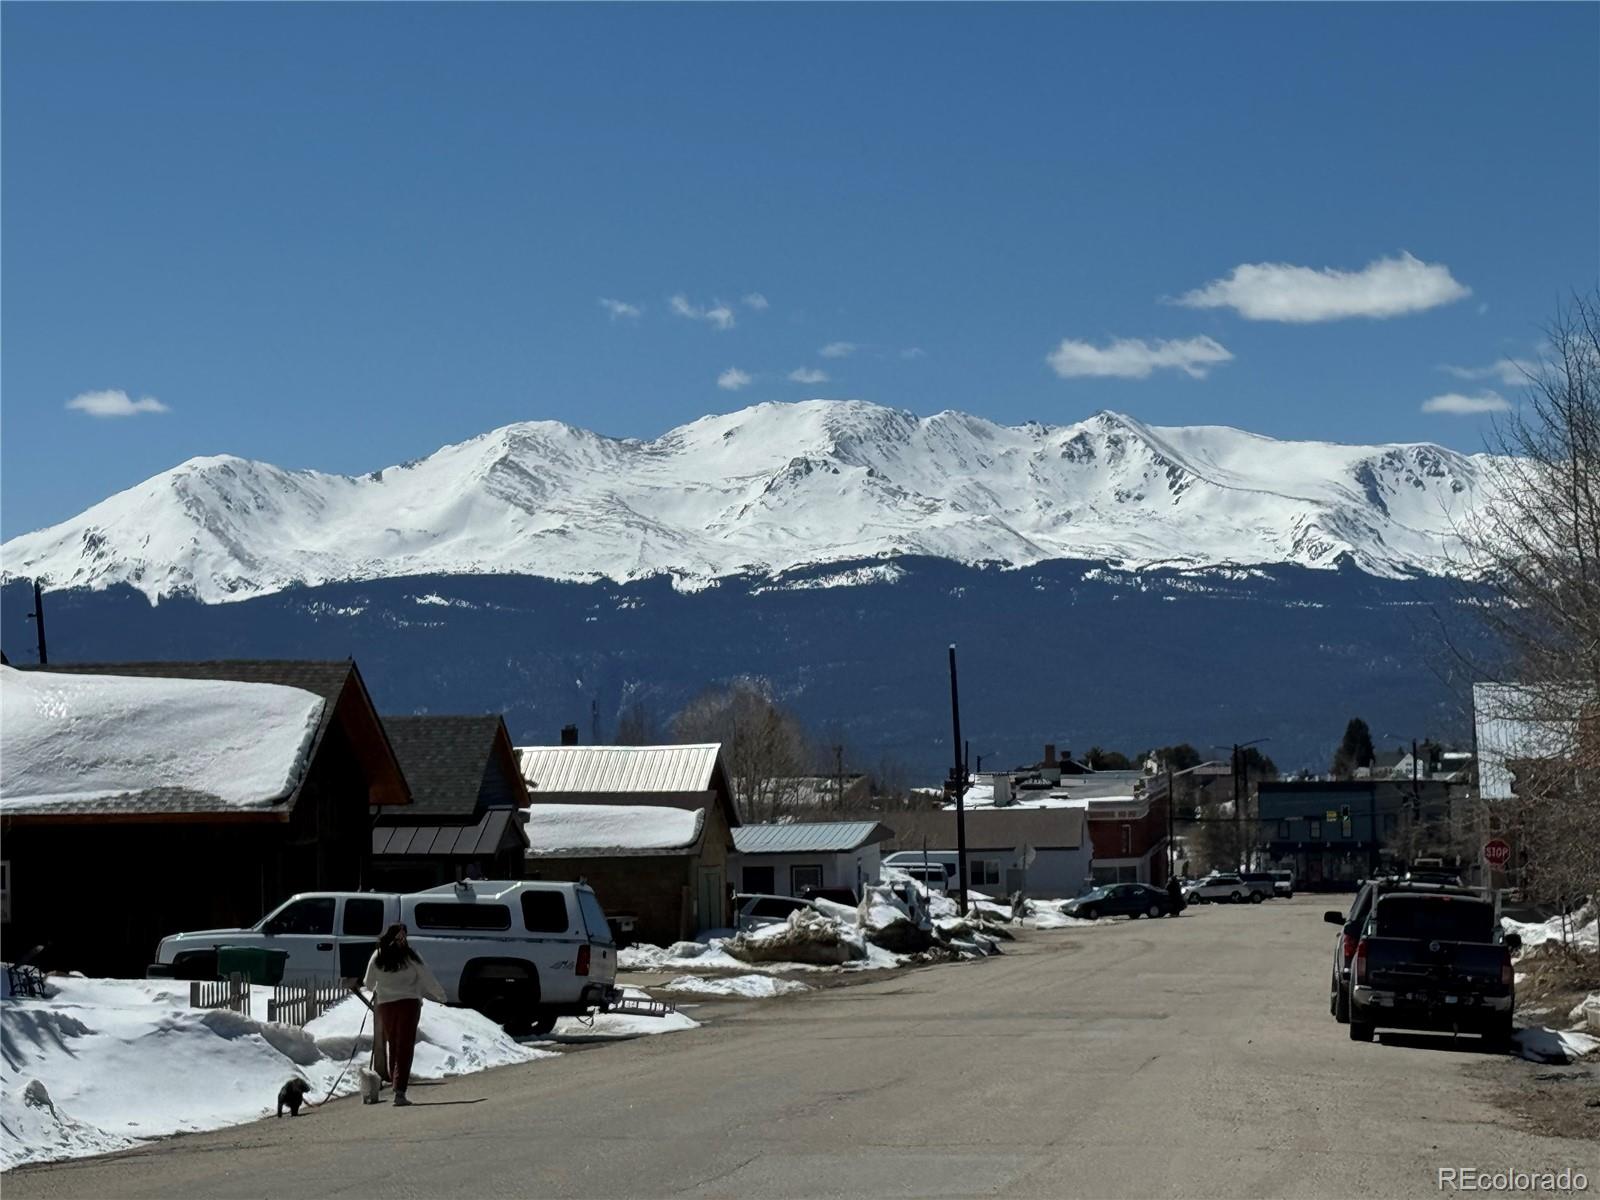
x=1121 y=900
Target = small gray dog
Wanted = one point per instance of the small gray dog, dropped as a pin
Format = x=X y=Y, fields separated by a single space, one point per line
x=293 y=1094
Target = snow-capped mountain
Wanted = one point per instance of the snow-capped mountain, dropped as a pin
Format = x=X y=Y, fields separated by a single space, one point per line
x=767 y=489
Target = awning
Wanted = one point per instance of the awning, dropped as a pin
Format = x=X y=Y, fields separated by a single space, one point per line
x=479 y=840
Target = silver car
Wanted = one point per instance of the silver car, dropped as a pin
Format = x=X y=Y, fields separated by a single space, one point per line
x=755 y=911
x=1216 y=887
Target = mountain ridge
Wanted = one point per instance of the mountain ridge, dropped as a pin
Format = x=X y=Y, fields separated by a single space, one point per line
x=771 y=488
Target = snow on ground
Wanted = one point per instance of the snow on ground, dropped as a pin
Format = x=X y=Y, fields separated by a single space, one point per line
x=1582 y=929
x=85 y=737
x=637 y=828
x=104 y=1064
x=621 y=1025
x=1553 y=1045
x=756 y=987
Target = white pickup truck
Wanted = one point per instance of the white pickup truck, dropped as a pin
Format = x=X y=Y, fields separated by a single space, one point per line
x=522 y=953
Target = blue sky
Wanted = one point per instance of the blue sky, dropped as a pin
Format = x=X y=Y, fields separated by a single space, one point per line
x=342 y=236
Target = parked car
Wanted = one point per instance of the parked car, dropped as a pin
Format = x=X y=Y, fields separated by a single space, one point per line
x=522 y=953
x=1120 y=900
x=1283 y=883
x=1259 y=886
x=1216 y=887
x=753 y=910
x=933 y=869
x=1433 y=960
x=1350 y=927
x=839 y=895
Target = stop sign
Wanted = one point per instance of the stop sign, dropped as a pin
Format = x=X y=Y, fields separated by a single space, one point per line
x=1496 y=852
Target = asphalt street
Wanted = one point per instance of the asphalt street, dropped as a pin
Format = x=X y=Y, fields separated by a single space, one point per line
x=1187 y=1058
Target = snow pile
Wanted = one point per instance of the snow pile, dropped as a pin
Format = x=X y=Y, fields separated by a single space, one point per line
x=895 y=922
x=1582 y=928
x=70 y=737
x=806 y=937
x=599 y=829
x=104 y=1063
x=1554 y=1046
x=621 y=1025
x=755 y=987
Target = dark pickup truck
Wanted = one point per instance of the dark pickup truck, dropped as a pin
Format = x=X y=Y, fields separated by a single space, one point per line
x=1433 y=961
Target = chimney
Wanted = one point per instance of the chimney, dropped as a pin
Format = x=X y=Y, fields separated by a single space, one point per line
x=1049 y=754
x=569 y=735
x=1002 y=789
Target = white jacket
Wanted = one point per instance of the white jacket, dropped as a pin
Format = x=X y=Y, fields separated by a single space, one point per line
x=413 y=981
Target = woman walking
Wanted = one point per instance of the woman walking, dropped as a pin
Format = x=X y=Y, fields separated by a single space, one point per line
x=398 y=981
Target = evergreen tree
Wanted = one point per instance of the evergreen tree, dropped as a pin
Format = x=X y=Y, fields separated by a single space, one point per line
x=1355 y=750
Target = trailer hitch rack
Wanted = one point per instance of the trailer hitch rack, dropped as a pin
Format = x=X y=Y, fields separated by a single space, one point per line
x=634 y=1006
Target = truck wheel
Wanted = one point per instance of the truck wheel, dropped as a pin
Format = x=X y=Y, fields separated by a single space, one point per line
x=1341 y=1004
x=1360 y=1031
x=1500 y=1035
x=543 y=1025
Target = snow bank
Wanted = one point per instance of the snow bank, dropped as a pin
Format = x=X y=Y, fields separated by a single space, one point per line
x=897 y=923
x=755 y=987
x=610 y=828
x=621 y=1025
x=1553 y=1045
x=70 y=737
x=1582 y=929
x=105 y=1064
x=806 y=937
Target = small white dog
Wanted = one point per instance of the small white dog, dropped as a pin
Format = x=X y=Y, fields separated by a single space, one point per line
x=371 y=1085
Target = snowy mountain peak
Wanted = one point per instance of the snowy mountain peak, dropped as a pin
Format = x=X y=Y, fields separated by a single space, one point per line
x=766 y=489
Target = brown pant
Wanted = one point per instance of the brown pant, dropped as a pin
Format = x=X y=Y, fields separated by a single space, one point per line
x=398 y=1020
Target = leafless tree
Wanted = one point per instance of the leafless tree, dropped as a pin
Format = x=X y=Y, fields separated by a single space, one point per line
x=1536 y=544
x=763 y=744
x=637 y=725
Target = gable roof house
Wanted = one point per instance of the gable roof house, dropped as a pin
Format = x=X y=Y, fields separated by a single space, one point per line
x=467 y=796
x=648 y=827
x=1001 y=842
x=142 y=799
x=783 y=859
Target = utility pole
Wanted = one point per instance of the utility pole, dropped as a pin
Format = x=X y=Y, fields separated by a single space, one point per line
x=1172 y=860
x=958 y=784
x=1238 y=811
x=37 y=617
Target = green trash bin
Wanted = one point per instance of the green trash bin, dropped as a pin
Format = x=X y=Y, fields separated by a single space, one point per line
x=257 y=965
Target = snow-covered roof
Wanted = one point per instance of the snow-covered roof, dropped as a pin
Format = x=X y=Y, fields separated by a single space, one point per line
x=589 y=770
x=127 y=743
x=809 y=837
x=608 y=830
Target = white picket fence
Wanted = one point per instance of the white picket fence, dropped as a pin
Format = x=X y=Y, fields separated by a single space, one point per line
x=291 y=1004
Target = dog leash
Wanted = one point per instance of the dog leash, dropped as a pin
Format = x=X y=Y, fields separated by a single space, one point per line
x=354 y=1046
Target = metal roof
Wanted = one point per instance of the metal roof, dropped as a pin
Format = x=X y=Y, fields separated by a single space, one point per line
x=809 y=837
x=482 y=838
x=617 y=770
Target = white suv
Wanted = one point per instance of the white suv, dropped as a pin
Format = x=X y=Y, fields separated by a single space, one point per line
x=1216 y=887
x=522 y=953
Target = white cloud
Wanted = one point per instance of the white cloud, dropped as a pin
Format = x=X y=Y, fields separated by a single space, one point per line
x=913 y=352
x=620 y=308
x=1385 y=287
x=808 y=375
x=1135 y=358
x=1458 y=405
x=733 y=379
x=754 y=300
x=719 y=316
x=1510 y=371
x=838 y=350
x=115 y=404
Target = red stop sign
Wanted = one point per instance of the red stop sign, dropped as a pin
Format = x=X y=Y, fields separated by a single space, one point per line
x=1497 y=852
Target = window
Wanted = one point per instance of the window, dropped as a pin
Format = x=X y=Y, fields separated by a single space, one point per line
x=313 y=915
x=1101 y=875
x=464 y=916
x=759 y=880
x=1127 y=839
x=804 y=877
x=1314 y=830
x=363 y=918
x=595 y=917
x=1283 y=831
x=983 y=872
x=545 y=912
